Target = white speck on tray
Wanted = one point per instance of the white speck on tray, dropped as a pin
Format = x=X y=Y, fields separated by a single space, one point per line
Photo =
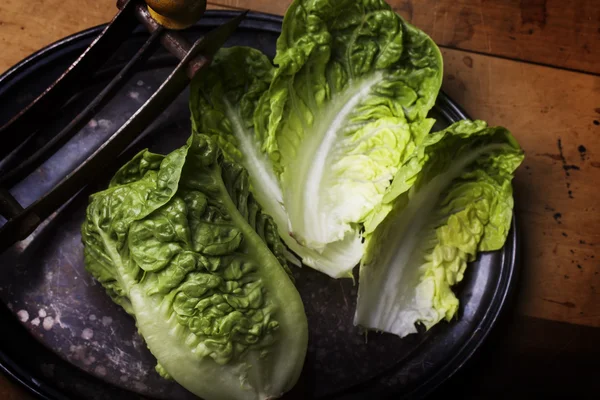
x=126 y=363
x=140 y=83
x=93 y=123
x=48 y=323
x=23 y=315
x=134 y=95
x=78 y=353
x=92 y=317
x=87 y=334
x=35 y=321
x=42 y=313
x=106 y=321
x=100 y=370
x=10 y=306
x=104 y=124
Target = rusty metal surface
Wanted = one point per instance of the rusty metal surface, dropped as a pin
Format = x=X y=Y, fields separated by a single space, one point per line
x=43 y=282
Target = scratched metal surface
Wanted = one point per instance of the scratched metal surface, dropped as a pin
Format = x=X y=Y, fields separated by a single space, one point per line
x=43 y=282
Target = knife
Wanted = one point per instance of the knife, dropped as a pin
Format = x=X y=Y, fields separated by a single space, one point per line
x=21 y=225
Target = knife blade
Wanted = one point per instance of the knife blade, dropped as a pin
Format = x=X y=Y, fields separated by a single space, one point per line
x=22 y=225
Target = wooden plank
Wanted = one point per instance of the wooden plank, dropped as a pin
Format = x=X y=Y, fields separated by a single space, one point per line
x=27 y=26
x=211 y=6
x=563 y=36
x=555 y=115
x=541 y=31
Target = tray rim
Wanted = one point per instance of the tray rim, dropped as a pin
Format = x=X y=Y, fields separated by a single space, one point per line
x=503 y=291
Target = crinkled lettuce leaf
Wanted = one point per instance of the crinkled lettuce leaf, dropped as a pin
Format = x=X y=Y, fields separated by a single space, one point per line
x=324 y=131
x=180 y=243
x=449 y=201
x=348 y=103
x=222 y=105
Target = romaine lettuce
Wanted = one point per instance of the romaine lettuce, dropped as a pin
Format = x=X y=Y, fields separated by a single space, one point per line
x=180 y=243
x=333 y=143
x=324 y=132
x=348 y=102
x=222 y=105
x=450 y=200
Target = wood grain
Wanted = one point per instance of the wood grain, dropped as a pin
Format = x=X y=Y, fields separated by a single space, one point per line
x=554 y=115
x=27 y=26
x=540 y=31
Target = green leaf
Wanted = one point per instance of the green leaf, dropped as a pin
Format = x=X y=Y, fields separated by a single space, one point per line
x=182 y=245
x=222 y=104
x=450 y=200
x=324 y=132
x=347 y=104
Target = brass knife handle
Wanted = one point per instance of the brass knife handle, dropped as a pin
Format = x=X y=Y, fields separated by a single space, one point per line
x=176 y=14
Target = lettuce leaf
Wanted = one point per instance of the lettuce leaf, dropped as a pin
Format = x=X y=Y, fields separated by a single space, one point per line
x=449 y=201
x=180 y=243
x=345 y=105
x=222 y=105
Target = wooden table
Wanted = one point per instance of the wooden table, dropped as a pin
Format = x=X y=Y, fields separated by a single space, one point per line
x=532 y=66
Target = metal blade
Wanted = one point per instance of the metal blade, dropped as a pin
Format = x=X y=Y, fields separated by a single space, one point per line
x=22 y=225
x=215 y=39
x=18 y=166
x=212 y=42
x=30 y=119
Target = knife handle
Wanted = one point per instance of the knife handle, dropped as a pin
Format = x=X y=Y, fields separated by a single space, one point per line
x=176 y=14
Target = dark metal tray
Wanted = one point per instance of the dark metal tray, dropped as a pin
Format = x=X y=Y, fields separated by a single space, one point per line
x=61 y=335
